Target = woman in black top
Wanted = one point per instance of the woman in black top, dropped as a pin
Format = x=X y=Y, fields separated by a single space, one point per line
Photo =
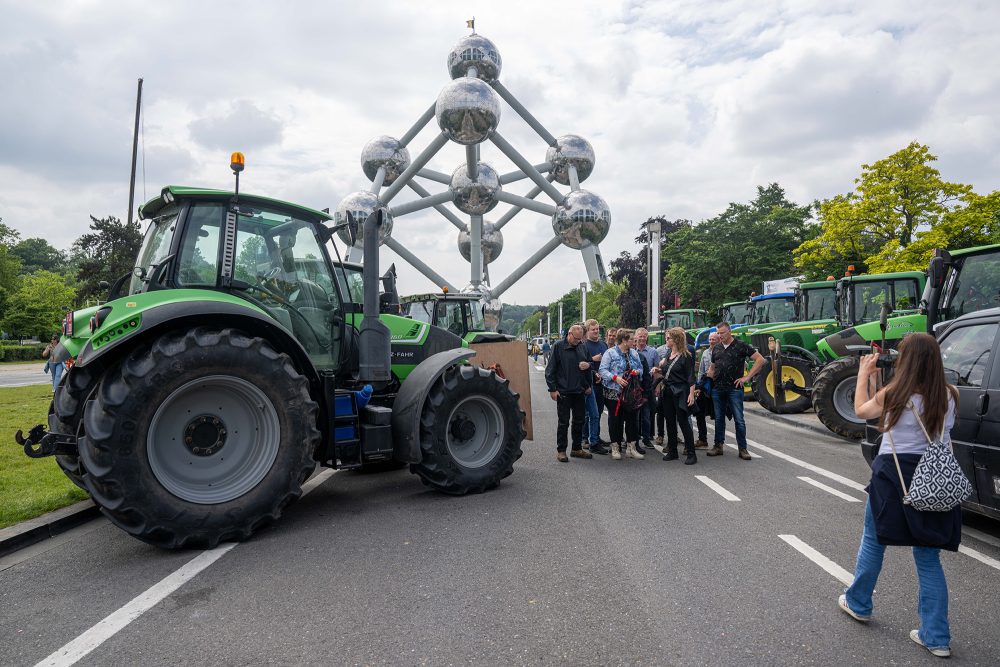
x=677 y=395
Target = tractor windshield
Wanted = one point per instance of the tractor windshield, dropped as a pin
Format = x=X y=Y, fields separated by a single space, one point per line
x=868 y=297
x=737 y=313
x=770 y=311
x=973 y=284
x=155 y=246
x=476 y=321
x=421 y=311
x=821 y=304
x=351 y=283
x=682 y=320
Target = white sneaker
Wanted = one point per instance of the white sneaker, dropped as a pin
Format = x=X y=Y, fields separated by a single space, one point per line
x=631 y=452
x=842 y=603
x=939 y=651
x=616 y=451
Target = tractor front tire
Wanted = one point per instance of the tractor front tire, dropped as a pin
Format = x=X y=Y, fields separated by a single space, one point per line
x=792 y=368
x=833 y=397
x=200 y=437
x=471 y=429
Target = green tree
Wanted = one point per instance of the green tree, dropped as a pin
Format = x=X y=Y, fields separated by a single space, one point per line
x=726 y=257
x=37 y=255
x=38 y=305
x=10 y=265
x=106 y=253
x=602 y=302
x=893 y=200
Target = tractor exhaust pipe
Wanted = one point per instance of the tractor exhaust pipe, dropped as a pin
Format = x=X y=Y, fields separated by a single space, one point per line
x=373 y=341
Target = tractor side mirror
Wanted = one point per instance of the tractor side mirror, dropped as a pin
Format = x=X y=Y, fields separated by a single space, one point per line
x=936 y=271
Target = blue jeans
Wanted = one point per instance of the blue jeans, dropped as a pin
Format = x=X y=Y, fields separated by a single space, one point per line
x=646 y=419
x=592 y=420
x=57 y=371
x=932 y=600
x=731 y=397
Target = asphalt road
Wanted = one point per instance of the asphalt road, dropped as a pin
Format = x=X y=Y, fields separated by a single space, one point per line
x=591 y=562
x=22 y=375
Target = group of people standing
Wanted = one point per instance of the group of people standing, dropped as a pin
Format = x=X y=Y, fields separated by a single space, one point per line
x=646 y=389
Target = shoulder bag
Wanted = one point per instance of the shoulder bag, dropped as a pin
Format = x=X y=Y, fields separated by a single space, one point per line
x=938 y=483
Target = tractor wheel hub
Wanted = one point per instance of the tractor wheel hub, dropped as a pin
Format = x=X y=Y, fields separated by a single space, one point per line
x=205 y=435
x=462 y=428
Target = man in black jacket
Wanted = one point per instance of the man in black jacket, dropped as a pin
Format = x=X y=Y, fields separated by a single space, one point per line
x=568 y=378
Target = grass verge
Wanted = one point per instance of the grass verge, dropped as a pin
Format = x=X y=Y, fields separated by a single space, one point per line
x=28 y=487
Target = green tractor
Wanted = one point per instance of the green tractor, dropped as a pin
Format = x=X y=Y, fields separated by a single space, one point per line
x=966 y=281
x=461 y=314
x=692 y=320
x=236 y=357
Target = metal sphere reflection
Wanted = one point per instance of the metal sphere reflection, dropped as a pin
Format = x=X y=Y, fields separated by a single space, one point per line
x=360 y=205
x=582 y=219
x=492 y=243
x=570 y=150
x=475 y=197
x=467 y=111
x=475 y=51
x=385 y=152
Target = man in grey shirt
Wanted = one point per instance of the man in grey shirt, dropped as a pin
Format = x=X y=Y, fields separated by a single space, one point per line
x=702 y=397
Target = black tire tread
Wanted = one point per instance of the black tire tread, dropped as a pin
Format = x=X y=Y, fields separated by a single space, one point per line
x=826 y=381
x=800 y=404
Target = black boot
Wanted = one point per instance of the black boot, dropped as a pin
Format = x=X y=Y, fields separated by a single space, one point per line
x=671 y=453
x=690 y=458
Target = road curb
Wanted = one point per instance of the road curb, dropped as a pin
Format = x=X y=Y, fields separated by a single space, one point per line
x=32 y=531
x=784 y=419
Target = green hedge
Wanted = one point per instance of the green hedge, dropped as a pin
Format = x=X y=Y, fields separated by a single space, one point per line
x=22 y=353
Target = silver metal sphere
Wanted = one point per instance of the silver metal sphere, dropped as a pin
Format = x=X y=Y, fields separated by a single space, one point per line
x=478 y=196
x=570 y=150
x=360 y=205
x=475 y=51
x=384 y=152
x=582 y=219
x=467 y=111
x=492 y=243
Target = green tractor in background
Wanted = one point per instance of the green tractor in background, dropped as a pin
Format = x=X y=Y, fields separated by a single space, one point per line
x=960 y=282
x=692 y=320
x=794 y=352
x=236 y=357
x=461 y=314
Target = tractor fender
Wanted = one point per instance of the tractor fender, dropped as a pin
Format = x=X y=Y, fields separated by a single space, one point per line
x=409 y=401
x=188 y=314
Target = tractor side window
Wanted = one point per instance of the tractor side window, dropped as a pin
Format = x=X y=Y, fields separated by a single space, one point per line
x=155 y=246
x=450 y=316
x=966 y=352
x=905 y=294
x=421 y=311
x=476 y=320
x=199 y=253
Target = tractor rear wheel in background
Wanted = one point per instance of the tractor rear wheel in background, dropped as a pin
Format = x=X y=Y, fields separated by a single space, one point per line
x=833 y=397
x=795 y=369
x=471 y=428
x=200 y=437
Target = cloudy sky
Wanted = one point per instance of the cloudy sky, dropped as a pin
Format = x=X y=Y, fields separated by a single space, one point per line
x=689 y=105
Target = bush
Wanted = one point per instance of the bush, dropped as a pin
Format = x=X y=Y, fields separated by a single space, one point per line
x=22 y=352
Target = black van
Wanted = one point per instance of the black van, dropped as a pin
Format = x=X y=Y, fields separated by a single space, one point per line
x=968 y=347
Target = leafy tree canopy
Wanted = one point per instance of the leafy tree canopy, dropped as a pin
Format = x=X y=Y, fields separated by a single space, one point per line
x=107 y=252
x=38 y=305
x=37 y=255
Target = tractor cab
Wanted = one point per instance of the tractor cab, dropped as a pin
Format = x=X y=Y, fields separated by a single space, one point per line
x=461 y=314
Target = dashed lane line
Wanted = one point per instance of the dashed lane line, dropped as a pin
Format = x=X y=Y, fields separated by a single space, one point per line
x=838 y=572
x=982 y=558
x=717 y=488
x=849 y=483
x=830 y=490
x=139 y=605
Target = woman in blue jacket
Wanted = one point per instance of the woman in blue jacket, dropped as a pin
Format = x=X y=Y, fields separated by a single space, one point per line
x=618 y=366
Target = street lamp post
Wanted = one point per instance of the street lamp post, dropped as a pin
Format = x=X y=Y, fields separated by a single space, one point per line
x=654 y=273
x=548 y=324
x=560 y=320
x=583 y=301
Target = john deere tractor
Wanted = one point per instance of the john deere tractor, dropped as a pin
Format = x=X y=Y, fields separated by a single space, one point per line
x=235 y=357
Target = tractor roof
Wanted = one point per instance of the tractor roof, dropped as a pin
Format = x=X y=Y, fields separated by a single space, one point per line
x=974 y=251
x=819 y=284
x=866 y=277
x=153 y=206
x=774 y=295
x=441 y=296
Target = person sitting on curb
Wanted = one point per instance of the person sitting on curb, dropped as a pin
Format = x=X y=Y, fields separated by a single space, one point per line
x=568 y=378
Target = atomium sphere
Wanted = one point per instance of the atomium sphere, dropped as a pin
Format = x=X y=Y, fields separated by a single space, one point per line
x=570 y=150
x=582 y=219
x=360 y=205
x=384 y=152
x=492 y=243
x=467 y=111
x=475 y=51
x=478 y=196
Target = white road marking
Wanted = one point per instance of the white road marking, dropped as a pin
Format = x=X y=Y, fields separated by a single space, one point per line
x=715 y=487
x=981 y=536
x=982 y=558
x=139 y=605
x=830 y=490
x=838 y=572
x=753 y=455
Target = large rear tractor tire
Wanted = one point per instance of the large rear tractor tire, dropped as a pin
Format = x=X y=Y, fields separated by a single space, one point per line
x=202 y=436
x=833 y=398
x=792 y=368
x=66 y=417
x=471 y=429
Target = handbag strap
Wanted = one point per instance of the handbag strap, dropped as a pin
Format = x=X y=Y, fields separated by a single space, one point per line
x=922 y=427
x=671 y=367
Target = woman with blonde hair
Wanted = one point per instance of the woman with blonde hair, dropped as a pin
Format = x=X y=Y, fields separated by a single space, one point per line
x=677 y=395
x=916 y=406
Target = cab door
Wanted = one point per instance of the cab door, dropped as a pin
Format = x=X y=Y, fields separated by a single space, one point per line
x=986 y=454
x=967 y=353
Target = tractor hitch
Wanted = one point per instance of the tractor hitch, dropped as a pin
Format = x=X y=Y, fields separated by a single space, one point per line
x=801 y=391
x=40 y=443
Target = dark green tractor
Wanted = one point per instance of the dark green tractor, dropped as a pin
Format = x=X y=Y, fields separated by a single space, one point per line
x=237 y=356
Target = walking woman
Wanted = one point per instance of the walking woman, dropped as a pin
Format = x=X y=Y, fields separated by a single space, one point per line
x=677 y=395
x=918 y=400
x=618 y=366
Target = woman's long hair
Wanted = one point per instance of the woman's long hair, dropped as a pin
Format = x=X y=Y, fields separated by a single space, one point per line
x=679 y=340
x=919 y=370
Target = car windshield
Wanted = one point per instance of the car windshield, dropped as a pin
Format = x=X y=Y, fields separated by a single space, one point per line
x=821 y=303
x=155 y=246
x=769 y=311
x=973 y=285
